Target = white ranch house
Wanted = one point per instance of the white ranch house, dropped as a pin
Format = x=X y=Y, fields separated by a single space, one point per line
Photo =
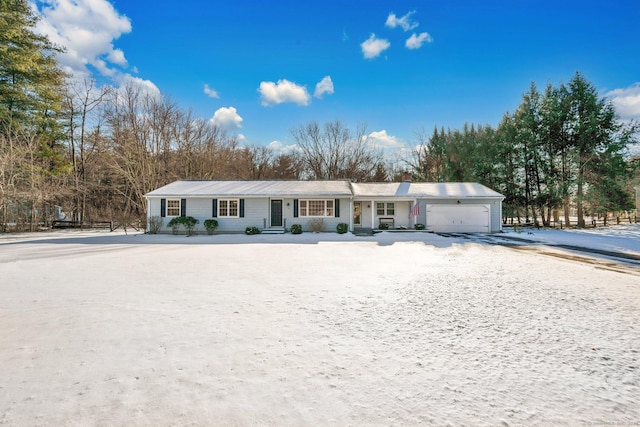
x=276 y=205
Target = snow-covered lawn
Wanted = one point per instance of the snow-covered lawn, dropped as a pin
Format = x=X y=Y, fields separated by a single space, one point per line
x=397 y=329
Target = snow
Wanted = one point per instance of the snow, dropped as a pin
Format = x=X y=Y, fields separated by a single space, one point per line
x=623 y=237
x=102 y=328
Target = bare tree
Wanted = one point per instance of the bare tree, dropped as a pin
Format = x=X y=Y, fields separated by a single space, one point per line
x=81 y=101
x=335 y=152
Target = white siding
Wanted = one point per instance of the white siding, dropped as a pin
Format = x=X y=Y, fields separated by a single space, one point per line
x=330 y=223
x=257 y=213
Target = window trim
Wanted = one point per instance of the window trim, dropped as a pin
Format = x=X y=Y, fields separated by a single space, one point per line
x=329 y=208
x=178 y=208
x=386 y=211
x=226 y=202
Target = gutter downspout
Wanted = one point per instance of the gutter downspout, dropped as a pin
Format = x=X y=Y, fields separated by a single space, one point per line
x=146 y=228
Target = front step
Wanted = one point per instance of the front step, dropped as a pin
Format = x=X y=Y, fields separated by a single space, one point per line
x=363 y=231
x=274 y=230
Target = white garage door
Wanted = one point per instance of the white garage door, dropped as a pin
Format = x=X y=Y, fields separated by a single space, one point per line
x=458 y=218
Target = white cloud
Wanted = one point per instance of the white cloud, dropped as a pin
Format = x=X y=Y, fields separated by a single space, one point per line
x=404 y=22
x=382 y=140
x=211 y=93
x=281 y=148
x=146 y=87
x=416 y=41
x=283 y=91
x=87 y=29
x=373 y=46
x=227 y=119
x=324 y=86
x=626 y=101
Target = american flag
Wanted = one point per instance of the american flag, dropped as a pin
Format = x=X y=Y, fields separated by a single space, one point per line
x=415 y=211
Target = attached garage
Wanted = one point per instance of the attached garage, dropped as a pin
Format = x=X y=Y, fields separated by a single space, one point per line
x=442 y=207
x=452 y=218
x=458 y=207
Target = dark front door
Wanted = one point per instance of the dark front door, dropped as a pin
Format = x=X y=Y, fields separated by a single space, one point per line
x=276 y=213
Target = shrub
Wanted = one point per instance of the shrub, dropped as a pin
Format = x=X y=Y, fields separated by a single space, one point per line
x=189 y=223
x=296 y=229
x=210 y=225
x=155 y=224
x=252 y=230
x=316 y=225
x=419 y=226
x=342 y=228
x=383 y=226
x=175 y=224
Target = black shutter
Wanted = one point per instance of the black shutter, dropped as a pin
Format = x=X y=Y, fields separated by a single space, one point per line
x=183 y=207
x=241 y=208
x=336 y=208
x=295 y=208
x=214 y=208
x=163 y=207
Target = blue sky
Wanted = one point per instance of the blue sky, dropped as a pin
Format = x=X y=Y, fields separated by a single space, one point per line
x=259 y=69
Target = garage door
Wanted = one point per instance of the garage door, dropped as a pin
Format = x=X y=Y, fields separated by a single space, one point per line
x=458 y=218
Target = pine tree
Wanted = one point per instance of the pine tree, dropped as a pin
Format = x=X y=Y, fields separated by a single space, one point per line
x=31 y=81
x=31 y=99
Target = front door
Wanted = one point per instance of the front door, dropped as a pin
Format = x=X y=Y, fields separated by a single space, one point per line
x=276 y=213
x=357 y=213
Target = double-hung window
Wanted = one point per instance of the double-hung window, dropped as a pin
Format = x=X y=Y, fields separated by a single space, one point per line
x=383 y=208
x=228 y=208
x=316 y=207
x=173 y=207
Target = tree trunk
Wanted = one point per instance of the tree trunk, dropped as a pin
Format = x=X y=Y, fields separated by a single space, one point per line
x=567 y=208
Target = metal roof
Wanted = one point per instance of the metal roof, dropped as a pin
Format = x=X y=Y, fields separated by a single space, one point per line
x=410 y=190
x=431 y=190
x=253 y=188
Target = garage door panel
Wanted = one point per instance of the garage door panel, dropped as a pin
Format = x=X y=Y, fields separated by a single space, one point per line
x=458 y=218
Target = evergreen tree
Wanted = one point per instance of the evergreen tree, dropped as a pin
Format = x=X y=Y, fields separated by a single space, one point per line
x=31 y=99
x=31 y=82
x=597 y=139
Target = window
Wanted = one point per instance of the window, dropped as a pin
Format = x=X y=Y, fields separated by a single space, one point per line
x=228 y=208
x=173 y=207
x=316 y=207
x=385 y=208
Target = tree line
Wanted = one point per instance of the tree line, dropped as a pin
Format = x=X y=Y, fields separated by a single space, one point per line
x=561 y=151
x=95 y=151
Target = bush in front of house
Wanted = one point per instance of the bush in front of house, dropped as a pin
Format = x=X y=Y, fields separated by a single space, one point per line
x=175 y=224
x=419 y=227
x=383 y=226
x=188 y=222
x=296 y=229
x=210 y=225
x=252 y=230
x=155 y=224
x=342 y=228
x=316 y=225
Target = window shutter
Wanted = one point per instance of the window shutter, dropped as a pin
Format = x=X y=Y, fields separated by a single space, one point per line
x=183 y=207
x=241 y=208
x=336 y=208
x=214 y=208
x=295 y=208
x=163 y=207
